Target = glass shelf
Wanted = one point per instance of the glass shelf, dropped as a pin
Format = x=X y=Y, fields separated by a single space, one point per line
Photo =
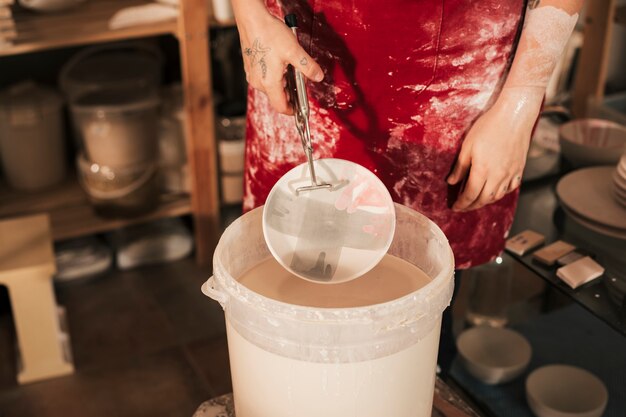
x=539 y=210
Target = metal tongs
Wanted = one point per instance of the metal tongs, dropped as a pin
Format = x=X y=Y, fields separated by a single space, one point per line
x=298 y=96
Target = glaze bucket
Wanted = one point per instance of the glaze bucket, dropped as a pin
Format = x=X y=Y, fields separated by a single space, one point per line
x=289 y=360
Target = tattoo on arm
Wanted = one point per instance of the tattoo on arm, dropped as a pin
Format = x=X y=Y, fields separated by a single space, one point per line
x=257 y=55
x=263 y=67
x=303 y=61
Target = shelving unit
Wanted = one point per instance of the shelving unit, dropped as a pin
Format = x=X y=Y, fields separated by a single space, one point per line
x=539 y=210
x=84 y=24
x=70 y=213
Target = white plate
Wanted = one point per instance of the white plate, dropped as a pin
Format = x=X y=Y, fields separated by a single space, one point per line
x=619 y=181
x=598 y=228
x=588 y=193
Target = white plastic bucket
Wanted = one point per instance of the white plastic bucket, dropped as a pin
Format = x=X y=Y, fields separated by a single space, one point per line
x=119 y=192
x=118 y=128
x=133 y=66
x=32 y=136
x=288 y=360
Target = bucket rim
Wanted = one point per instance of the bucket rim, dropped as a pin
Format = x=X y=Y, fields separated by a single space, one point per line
x=242 y=294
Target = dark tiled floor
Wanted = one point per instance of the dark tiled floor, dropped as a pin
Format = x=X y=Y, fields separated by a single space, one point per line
x=145 y=343
x=205 y=354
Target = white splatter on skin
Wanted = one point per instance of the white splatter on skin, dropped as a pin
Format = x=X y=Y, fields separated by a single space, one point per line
x=497 y=144
x=546 y=32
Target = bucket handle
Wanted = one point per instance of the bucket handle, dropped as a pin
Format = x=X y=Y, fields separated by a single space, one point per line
x=130 y=188
x=208 y=289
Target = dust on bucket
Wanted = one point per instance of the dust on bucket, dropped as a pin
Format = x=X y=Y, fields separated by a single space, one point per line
x=370 y=360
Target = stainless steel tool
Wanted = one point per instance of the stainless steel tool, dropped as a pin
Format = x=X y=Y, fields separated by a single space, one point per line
x=300 y=100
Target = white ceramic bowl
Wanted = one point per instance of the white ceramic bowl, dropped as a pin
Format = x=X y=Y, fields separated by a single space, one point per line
x=586 y=142
x=494 y=355
x=565 y=391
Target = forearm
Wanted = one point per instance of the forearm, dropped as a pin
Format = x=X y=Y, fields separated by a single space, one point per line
x=494 y=151
x=547 y=28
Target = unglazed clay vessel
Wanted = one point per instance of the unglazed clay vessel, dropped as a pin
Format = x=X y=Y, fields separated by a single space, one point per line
x=493 y=355
x=565 y=391
x=587 y=142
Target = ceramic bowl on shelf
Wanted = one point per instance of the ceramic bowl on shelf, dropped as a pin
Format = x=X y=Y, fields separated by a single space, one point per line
x=587 y=193
x=586 y=142
x=49 y=5
x=565 y=391
x=493 y=355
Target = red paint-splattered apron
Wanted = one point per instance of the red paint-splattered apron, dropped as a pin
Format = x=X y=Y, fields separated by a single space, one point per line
x=405 y=80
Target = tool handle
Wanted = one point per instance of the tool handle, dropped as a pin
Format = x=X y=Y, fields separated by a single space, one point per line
x=298 y=88
x=296 y=85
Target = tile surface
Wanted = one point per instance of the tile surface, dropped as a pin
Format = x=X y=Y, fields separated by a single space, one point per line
x=211 y=359
x=109 y=319
x=135 y=339
x=161 y=384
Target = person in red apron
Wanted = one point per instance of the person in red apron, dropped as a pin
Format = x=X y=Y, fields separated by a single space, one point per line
x=437 y=97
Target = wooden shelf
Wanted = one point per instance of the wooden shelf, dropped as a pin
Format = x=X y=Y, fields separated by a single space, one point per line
x=71 y=214
x=84 y=24
x=88 y=24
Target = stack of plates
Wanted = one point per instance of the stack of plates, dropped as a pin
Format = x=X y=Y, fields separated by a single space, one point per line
x=586 y=196
x=619 y=182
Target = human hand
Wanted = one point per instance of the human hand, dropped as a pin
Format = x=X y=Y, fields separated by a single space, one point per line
x=495 y=148
x=493 y=154
x=268 y=46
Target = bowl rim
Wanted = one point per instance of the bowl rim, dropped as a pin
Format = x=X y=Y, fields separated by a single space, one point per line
x=588 y=374
x=609 y=123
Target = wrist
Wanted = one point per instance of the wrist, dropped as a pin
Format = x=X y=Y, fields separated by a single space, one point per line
x=522 y=104
x=250 y=13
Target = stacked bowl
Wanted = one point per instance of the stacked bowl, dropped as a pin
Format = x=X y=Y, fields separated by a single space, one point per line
x=594 y=195
x=589 y=142
x=619 y=182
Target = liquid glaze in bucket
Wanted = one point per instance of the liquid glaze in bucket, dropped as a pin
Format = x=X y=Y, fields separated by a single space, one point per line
x=367 y=361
